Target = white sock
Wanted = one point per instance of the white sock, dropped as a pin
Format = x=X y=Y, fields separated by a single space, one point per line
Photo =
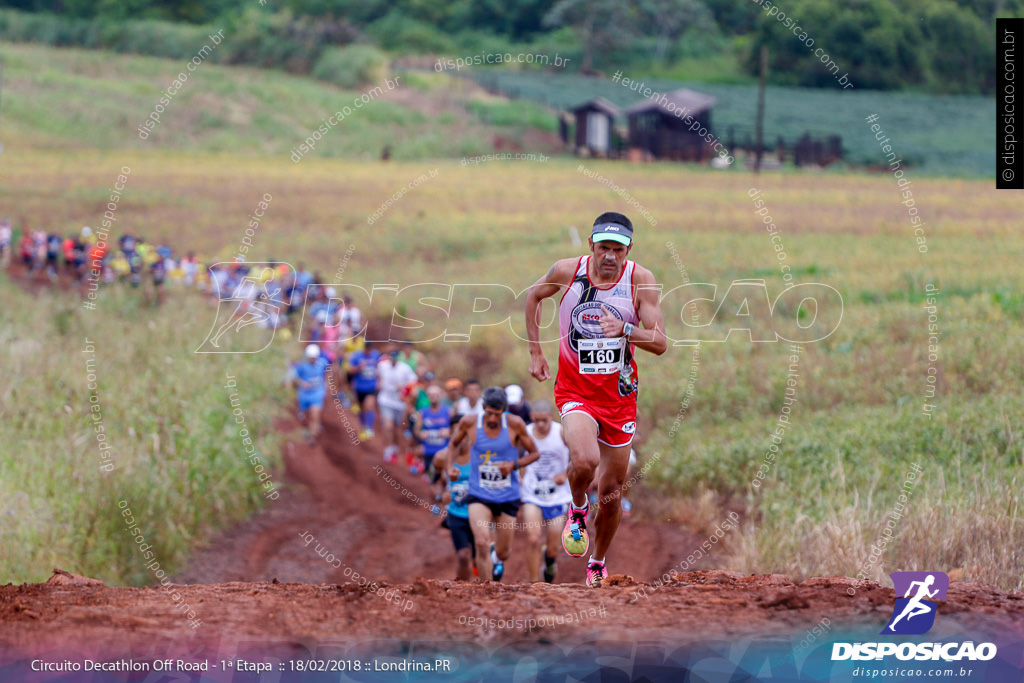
x=601 y=561
x=582 y=507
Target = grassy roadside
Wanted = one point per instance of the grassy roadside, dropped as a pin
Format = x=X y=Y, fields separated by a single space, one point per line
x=857 y=424
x=174 y=453
x=833 y=489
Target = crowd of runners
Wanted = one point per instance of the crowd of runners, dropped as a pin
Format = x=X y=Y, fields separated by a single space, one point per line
x=423 y=424
x=496 y=462
x=85 y=257
x=275 y=291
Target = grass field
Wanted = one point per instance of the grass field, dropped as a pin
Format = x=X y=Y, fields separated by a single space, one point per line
x=939 y=135
x=52 y=96
x=111 y=405
x=857 y=425
x=72 y=99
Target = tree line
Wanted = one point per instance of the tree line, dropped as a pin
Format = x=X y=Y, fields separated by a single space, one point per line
x=943 y=46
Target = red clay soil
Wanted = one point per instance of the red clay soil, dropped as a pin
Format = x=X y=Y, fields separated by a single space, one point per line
x=260 y=586
x=286 y=583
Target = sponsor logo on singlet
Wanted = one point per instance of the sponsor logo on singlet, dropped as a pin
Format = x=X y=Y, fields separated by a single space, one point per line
x=586 y=321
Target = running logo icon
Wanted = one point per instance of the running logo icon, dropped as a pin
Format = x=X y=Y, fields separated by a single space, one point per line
x=914 y=613
x=247 y=319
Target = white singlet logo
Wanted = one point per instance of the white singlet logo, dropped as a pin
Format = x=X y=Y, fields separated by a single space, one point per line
x=569 y=405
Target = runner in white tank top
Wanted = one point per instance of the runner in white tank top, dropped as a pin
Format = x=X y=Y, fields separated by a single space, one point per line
x=545 y=492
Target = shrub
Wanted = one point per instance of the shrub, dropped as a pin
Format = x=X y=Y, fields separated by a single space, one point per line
x=352 y=66
x=402 y=34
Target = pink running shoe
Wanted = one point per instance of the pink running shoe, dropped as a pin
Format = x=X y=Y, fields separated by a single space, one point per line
x=596 y=574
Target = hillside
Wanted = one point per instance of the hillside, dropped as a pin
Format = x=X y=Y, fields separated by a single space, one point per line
x=947 y=135
x=60 y=98
x=71 y=99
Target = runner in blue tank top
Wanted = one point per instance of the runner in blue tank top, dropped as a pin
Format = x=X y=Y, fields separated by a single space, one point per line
x=495 y=439
x=455 y=469
x=434 y=426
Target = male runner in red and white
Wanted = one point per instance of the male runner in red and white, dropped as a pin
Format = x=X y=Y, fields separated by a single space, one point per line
x=605 y=300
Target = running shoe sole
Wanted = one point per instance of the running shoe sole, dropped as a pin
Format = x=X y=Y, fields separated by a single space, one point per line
x=575 y=539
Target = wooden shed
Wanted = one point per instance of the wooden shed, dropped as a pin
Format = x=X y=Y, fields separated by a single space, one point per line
x=595 y=127
x=660 y=127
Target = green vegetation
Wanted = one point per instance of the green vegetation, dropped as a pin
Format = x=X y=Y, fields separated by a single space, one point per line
x=858 y=425
x=352 y=66
x=829 y=494
x=946 y=135
x=257 y=38
x=512 y=113
x=881 y=44
x=175 y=450
x=77 y=99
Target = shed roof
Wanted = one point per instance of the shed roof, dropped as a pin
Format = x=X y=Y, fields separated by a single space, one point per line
x=683 y=100
x=601 y=104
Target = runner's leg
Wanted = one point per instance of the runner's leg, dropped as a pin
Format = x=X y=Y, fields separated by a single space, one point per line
x=464 y=560
x=506 y=528
x=480 y=519
x=611 y=476
x=553 y=531
x=371 y=412
x=580 y=432
x=534 y=521
x=462 y=540
x=314 y=420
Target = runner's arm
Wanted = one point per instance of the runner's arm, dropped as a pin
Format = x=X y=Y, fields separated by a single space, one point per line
x=557 y=278
x=441 y=465
x=524 y=441
x=652 y=337
x=417 y=426
x=298 y=382
x=461 y=432
x=453 y=472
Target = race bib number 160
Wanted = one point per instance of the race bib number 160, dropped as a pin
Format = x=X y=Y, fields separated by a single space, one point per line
x=601 y=356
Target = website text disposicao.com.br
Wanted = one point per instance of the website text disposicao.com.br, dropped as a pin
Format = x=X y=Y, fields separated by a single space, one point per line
x=490 y=58
x=899 y=673
x=949 y=657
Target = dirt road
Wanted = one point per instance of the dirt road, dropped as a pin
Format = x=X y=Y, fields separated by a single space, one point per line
x=348 y=568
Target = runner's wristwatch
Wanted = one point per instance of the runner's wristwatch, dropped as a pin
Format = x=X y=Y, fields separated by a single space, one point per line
x=627 y=329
